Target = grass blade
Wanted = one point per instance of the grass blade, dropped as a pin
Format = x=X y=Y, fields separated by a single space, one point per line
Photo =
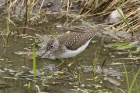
x=135 y=77
x=126 y=75
x=29 y=86
x=34 y=61
x=94 y=62
x=125 y=21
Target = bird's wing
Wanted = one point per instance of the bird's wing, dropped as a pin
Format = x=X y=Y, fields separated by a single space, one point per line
x=74 y=40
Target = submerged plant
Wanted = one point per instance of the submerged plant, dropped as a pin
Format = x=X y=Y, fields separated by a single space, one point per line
x=94 y=62
x=27 y=14
x=29 y=86
x=34 y=61
x=130 y=85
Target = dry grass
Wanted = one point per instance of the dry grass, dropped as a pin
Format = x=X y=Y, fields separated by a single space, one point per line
x=130 y=8
x=98 y=8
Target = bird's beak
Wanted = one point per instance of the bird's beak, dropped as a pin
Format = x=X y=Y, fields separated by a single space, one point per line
x=46 y=52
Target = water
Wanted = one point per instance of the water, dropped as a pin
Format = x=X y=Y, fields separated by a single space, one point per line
x=75 y=75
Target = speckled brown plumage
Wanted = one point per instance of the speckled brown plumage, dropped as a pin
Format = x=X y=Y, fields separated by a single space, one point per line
x=74 y=40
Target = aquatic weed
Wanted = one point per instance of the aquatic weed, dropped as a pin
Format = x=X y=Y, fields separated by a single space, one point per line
x=34 y=61
x=130 y=85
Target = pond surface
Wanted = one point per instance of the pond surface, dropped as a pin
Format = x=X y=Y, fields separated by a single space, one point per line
x=75 y=75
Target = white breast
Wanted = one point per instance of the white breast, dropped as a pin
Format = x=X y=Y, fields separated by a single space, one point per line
x=73 y=53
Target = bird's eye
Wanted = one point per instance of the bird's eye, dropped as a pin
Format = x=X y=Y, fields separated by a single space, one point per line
x=52 y=46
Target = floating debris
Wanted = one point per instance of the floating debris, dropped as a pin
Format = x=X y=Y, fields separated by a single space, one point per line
x=113 y=81
x=19 y=73
x=105 y=71
x=59 y=26
x=23 y=53
x=1 y=59
x=60 y=73
x=1 y=71
x=38 y=89
x=38 y=73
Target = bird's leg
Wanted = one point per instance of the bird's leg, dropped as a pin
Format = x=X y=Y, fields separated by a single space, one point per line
x=78 y=70
x=77 y=61
x=62 y=61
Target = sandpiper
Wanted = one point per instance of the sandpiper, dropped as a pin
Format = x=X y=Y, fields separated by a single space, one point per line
x=68 y=45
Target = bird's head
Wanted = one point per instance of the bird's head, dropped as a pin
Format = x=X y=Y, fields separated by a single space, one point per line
x=51 y=46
